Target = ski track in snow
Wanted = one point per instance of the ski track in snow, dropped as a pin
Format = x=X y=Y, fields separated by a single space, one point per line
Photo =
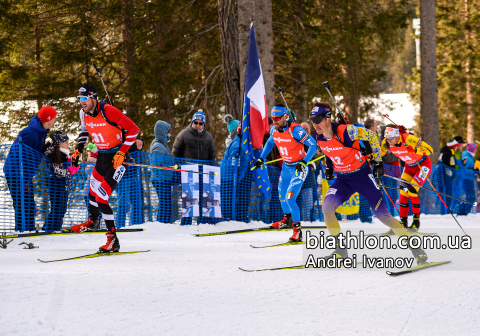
x=192 y=286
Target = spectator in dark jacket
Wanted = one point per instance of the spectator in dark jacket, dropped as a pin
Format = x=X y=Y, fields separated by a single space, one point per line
x=451 y=157
x=20 y=169
x=451 y=154
x=195 y=142
x=162 y=180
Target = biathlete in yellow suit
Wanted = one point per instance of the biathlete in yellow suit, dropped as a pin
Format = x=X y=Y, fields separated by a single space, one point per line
x=418 y=167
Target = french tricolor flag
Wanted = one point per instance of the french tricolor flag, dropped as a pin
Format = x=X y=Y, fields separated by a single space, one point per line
x=255 y=118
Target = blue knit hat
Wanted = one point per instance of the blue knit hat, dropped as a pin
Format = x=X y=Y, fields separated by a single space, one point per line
x=199 y=115
x=232 y=125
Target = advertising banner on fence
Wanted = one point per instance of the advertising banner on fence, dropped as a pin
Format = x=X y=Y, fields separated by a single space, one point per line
x=211 y=192
x=190 y=192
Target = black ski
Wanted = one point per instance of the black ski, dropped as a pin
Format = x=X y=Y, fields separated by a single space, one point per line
x=59 y=233
x=263 y=229
x=418 y=268
x=93 y=255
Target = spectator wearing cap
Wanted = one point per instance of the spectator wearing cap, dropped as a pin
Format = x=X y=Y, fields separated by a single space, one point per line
x=195 y=142
x=450 y=154
x=232 y=125
x=451 y=157
x=60 y=171
x=20 y=169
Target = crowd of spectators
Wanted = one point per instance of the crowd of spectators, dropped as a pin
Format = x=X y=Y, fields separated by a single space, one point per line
x=192 y=143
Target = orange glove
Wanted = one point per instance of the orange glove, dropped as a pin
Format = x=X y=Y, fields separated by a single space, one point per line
x=118 y=159
x=75 y=158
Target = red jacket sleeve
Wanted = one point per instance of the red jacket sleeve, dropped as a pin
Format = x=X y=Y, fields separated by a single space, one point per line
x=115 y=115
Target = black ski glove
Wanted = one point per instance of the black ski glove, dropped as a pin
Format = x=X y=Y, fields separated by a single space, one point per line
x=329 y=173
x=258 y=164
x=378 y=169
x=301 y=167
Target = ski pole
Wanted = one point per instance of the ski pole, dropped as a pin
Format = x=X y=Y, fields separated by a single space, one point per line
x=385 y=190
x=99 y=72
x=321 y=157
x=422 y=187
x=268 y=162
x=282 y=91
x=327 y=87
x=167 y=168
x=441 y=199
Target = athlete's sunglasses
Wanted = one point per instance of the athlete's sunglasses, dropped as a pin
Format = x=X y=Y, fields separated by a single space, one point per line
x=389 y=138
x=82 y=98
x=198 y=123
x=276 y=118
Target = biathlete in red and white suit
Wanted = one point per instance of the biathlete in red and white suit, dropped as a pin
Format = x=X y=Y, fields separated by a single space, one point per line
x=413 y=152
x=340 y=144
x=290 y=139
x=105 y=127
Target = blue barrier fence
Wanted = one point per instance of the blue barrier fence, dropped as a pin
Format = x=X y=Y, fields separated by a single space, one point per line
x=33 y=198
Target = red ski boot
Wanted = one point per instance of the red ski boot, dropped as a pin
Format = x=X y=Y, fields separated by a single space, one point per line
x=286 y=222
x=297 y=233
x=112 y=245
x=90 y=225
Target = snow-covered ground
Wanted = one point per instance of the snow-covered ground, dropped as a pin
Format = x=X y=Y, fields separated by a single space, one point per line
x=192 y=286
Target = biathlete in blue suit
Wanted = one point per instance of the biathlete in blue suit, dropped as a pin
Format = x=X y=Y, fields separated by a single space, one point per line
x=290 y=139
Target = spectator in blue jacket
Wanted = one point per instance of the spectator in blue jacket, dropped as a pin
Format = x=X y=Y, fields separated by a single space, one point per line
x=468 y=186
x=162 y=179
x=21 y=165
x=234 y=159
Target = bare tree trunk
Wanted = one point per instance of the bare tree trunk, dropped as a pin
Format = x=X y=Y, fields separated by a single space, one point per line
x=351 y=96
x=300 y=87
x=128 y=34
x=468 y=78
x=429 y=93
x=246 y=15
x=264 y=35
x=227 y=19
x=37 y=64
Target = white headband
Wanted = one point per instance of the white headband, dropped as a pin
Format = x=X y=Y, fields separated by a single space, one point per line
x=391 y=132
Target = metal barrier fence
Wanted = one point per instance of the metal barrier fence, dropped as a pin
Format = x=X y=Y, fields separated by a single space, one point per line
x=33 y=198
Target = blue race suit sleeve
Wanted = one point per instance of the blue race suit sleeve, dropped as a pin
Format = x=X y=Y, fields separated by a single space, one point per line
x=300 y=135
x=267 y=148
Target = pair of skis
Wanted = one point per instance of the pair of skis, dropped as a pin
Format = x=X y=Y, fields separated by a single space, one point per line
x=262 y=229
x=60 y=233
x=405 y=271
x=93 y=255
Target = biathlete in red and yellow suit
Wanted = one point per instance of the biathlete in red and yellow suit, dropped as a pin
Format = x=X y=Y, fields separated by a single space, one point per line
x=340 y=143
x=290 y=139
x=418 y=167
x=104 y=123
